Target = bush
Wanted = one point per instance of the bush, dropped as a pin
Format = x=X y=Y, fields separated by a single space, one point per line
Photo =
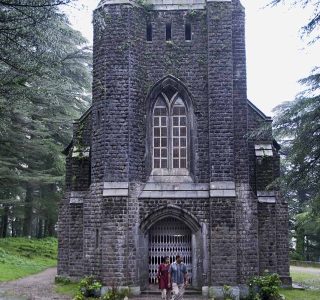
x=264 y=287
x=62 y=280
x=296 y=256
x=115 y=294
x=227 y=293
x=90 y=287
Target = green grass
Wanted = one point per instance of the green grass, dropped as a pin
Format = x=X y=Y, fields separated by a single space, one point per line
x=306 y=280
x=301 y=295
x=311 y=283
x=20 y=257
x=69 y=289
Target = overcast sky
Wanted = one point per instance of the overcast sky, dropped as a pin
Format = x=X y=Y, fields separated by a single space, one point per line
x=277 y=57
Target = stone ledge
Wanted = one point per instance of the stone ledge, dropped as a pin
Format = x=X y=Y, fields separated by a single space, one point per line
x=115 y=189
x=174 y=194
x=157 y=186
x=164 y=4
x=76 y=197
x=222 y=193
x=222 y=189
x=266 y=199
x=266 y=196
x=265 y=193
x=175 y=190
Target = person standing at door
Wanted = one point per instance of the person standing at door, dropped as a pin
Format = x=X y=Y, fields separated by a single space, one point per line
x=163 y=278
x=178 y=278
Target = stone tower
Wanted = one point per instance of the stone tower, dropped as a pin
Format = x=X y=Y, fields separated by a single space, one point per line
x=164 y=161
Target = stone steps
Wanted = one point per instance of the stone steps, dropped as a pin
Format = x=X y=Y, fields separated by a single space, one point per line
x=191 y=292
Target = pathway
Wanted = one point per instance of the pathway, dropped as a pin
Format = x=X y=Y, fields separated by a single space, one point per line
x=34 y=287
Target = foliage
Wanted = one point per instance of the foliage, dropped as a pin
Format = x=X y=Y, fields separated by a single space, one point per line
x=313 y=24
x=21 y=256
x=90 y=286
x=264 y=287
x=115 y=294
x=44 y=84
x=297 y=126
x=227 y=293
x=62 y=280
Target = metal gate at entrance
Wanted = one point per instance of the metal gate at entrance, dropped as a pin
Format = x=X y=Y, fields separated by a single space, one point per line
x=169 y=237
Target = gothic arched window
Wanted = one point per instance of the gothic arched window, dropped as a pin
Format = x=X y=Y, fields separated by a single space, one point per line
x=170 y=132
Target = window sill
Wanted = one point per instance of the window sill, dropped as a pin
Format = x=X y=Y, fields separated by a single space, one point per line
x=170 y=176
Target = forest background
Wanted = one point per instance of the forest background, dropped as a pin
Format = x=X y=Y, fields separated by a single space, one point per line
x=45 y=83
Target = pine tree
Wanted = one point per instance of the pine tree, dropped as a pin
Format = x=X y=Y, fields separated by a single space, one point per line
x=44 y=84
x=297 y=123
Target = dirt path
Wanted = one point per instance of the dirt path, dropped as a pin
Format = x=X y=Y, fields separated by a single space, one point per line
x=35 y=287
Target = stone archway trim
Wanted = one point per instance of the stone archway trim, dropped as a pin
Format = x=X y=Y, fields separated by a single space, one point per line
x=170 y=211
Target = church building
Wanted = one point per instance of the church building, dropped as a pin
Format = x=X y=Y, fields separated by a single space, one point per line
x=171 y=157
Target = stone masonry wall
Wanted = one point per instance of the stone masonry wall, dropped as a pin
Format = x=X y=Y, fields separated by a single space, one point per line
x=246 y=206
x=111 y=93
x=283 y=263
x=70 y=239
x=223 y=242
x=187 y=61
x=267 y=237
x=220 y=86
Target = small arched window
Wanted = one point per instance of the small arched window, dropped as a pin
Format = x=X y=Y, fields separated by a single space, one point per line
x=170 y=132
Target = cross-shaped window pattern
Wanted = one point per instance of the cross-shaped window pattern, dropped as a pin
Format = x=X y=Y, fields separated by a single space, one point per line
x=170 y=132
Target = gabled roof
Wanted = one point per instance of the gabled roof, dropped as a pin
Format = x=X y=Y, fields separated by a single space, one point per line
x=258 y=111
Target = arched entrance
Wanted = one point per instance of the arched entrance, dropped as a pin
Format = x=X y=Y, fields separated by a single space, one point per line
x=169 y=237
x=168 y=231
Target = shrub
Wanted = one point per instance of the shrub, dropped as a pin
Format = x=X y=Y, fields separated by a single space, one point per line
x=264 y=287
x=62 y=280
x=227 y=293
x=90 y=286
x=115 y=294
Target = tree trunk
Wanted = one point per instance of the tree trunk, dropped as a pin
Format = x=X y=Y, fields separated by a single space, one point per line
x=40 y=229
x=51 y=231
x=4 y=221
x=300 y=244
x=27 y=224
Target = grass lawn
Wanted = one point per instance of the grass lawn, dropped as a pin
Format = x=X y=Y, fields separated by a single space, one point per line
x=311 y=283
x=301 y=295
x=20 y=257
x=70 y=288
x=306 y=280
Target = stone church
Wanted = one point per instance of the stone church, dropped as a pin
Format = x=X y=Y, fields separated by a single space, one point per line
x=168 y=159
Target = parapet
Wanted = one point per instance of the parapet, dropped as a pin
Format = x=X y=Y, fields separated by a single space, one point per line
x=165 y=4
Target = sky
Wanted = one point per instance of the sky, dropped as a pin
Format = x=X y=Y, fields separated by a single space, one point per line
x=277 y=56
